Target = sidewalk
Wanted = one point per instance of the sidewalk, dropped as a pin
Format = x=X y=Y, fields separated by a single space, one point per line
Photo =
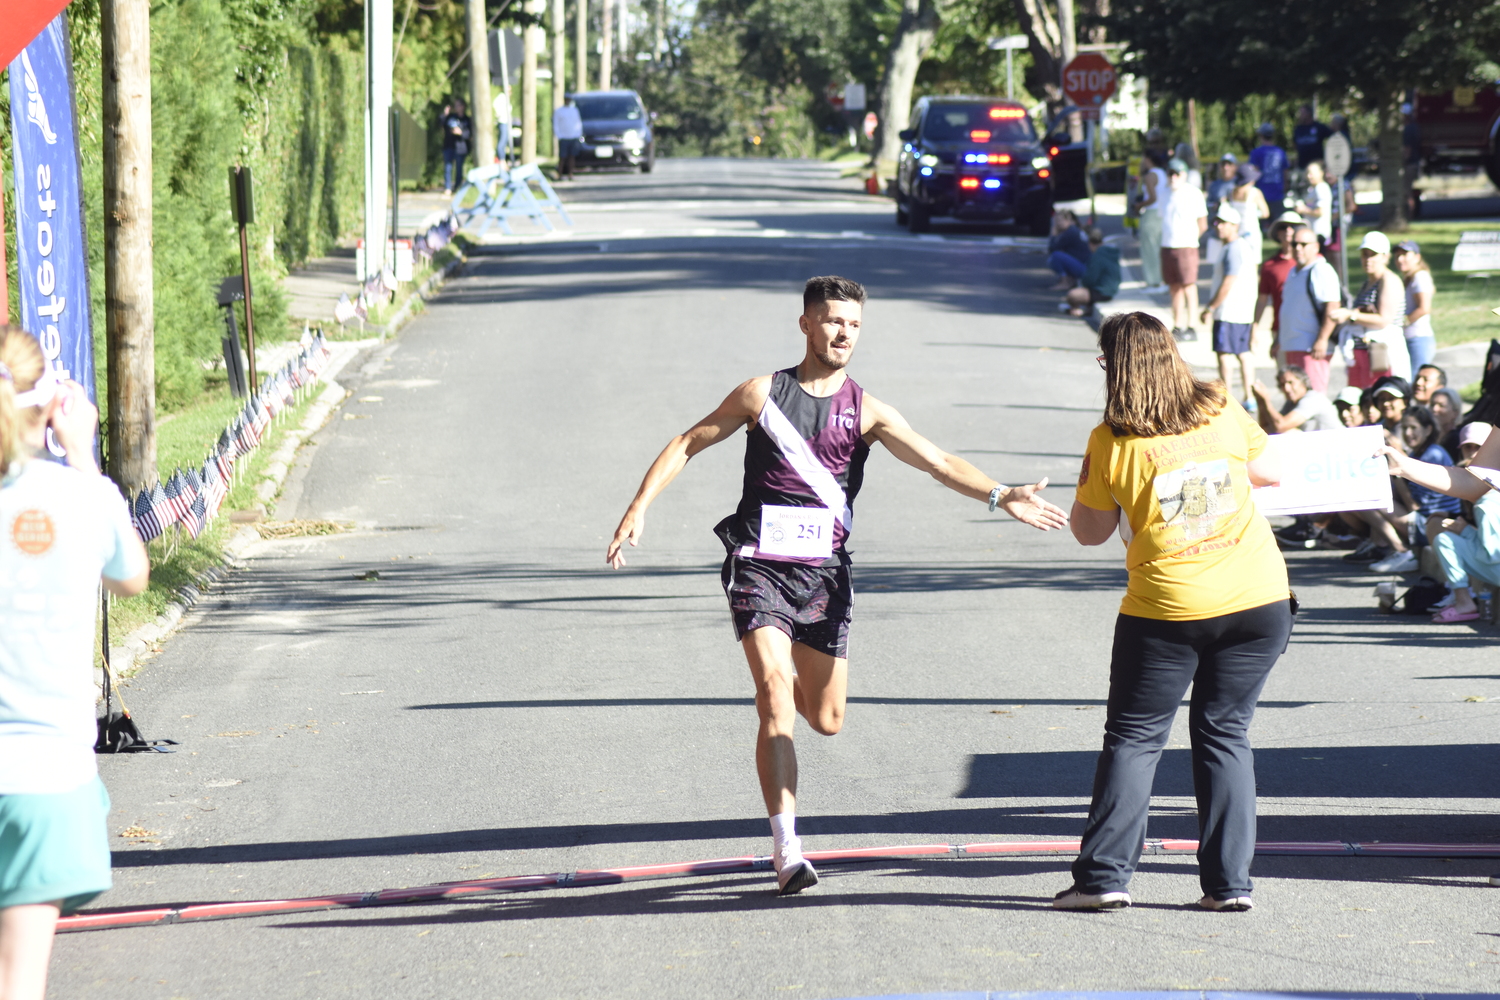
x=314 y=287
x=1464 y=363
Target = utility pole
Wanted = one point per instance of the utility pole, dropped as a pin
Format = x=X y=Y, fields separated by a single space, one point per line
x=481 y=107
x=581 y=45
x=129 y=309
x=529 y=46
x=624 y=28
x=606 y=46
x=1065 y=27
x=659 y=13
x=559 y=63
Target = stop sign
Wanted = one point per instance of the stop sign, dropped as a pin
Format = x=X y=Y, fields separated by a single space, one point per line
x=1089 y=80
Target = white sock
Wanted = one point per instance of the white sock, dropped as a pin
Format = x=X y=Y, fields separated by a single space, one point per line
x=788 y=847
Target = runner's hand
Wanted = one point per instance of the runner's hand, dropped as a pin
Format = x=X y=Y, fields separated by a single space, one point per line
x=630 y=529
x=1025 y=504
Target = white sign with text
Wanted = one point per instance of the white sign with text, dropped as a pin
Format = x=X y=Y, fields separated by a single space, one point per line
x=1328 y=471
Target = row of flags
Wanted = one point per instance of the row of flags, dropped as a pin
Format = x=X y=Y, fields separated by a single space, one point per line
x=382 y=286
x=190 y=498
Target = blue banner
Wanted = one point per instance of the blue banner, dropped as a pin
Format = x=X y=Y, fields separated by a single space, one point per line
x=51 y=255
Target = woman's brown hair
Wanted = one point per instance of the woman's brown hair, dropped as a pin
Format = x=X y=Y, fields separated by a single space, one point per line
x=21 y=364
x=1149 y=390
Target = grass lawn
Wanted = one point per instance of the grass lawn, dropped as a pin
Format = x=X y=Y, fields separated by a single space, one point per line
x=1461 y=306
x=183 y=439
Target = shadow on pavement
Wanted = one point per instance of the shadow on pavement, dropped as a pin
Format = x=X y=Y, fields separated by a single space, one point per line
x=1460 y=771
x=977 y=824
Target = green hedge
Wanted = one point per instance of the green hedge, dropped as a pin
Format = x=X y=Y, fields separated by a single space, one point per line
x=256 y=82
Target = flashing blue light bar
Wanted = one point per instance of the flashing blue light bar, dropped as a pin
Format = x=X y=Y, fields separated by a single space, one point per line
x=992 y=183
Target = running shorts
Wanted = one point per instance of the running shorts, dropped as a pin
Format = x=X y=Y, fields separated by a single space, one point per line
x=1231 y=338
x=54 y=847
x=811 y=604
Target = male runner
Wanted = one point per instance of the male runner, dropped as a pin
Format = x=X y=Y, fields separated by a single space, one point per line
x=787 y=574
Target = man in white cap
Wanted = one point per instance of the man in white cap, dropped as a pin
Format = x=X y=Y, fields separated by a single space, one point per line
x=1232 y=307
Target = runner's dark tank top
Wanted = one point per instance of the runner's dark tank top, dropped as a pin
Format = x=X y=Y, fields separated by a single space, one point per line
x=830 y=426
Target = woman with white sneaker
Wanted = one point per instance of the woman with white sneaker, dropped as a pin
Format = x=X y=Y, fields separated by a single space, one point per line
x=1207 y=605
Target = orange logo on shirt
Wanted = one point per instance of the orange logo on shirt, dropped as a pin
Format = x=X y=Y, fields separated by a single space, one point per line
x=1083 y=473
x=32 y=532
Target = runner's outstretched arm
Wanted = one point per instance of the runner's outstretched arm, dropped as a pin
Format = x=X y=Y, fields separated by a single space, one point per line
x=739 y=407
x=1024 y=503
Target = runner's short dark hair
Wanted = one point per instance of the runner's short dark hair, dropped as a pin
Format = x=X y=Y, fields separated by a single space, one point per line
x=831 y=288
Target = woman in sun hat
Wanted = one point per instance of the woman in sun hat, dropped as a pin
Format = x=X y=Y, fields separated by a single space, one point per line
x=1372 y=342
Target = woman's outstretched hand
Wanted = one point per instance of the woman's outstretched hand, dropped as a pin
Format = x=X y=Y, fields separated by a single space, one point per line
x=1025 y=504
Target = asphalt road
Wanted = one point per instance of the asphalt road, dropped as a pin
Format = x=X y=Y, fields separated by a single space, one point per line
x=459 y=688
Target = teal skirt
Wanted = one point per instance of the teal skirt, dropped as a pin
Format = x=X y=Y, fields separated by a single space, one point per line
x=54 y=847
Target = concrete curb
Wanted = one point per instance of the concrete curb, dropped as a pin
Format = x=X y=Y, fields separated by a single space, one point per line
x=143 y=643
x=422 y=294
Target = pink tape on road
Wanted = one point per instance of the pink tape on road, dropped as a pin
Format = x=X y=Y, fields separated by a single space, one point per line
x=149 y=916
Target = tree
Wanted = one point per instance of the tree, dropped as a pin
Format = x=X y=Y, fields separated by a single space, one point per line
x=1375 y=53
x=910 y=43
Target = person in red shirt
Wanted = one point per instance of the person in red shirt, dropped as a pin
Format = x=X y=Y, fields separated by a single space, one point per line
x=1274 y=271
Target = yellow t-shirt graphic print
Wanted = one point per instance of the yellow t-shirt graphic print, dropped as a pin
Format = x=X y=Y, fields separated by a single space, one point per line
x=1197 y=547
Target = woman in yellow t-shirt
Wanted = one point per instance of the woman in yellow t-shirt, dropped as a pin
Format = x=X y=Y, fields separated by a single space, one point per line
x=1207 y=604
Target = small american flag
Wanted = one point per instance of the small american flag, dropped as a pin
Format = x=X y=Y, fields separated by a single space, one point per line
x=161 y=510
x=197 y=507
x=179 y=504
x=143 y=515
x=215 y=488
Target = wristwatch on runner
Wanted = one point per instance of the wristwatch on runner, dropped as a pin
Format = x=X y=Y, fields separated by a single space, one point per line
x=995 y=496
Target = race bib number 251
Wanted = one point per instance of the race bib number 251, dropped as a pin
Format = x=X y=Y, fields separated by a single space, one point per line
x=801 y=532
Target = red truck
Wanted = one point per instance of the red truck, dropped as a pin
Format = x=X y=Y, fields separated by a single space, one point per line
x=1461 y=130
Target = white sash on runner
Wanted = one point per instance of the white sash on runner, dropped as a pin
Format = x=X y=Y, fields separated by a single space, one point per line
x=800 y=457
x=800 y=532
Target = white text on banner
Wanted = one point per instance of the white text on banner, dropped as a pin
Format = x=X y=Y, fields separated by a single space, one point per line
x=1328 y=471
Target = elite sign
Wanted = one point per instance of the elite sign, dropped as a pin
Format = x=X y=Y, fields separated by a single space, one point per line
x=1334 y=470
x=51 y=258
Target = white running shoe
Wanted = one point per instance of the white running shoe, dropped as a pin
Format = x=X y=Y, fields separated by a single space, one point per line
x=1396 y=562
x=1234 y=904
x=1072 y=899
x=795 y=876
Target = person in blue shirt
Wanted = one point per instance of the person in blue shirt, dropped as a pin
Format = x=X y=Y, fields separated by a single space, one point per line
x=1101 y=280
x=1270 y=160
x=1307 y=136
x=1068 y=250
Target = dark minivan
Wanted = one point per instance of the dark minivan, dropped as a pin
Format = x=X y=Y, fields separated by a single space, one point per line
x=616 y=130
x=973 y=159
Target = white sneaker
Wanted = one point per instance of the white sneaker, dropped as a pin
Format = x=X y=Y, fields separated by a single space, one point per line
x=1234 y=904
x=1072 y=899
x=795 y=876
x=1396 y=562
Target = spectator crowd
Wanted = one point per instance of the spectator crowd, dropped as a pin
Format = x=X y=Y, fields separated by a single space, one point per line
x=1380 y=331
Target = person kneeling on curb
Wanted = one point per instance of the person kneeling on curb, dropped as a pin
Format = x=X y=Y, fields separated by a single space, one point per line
x=1101 y=279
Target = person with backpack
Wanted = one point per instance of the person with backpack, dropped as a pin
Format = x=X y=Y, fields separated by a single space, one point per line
x=1308 y=300
x=64 y=528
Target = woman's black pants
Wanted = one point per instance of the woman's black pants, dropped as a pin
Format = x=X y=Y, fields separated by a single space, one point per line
x=1226 y=660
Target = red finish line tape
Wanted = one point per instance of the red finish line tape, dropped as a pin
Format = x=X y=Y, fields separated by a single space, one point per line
x=724 y=866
